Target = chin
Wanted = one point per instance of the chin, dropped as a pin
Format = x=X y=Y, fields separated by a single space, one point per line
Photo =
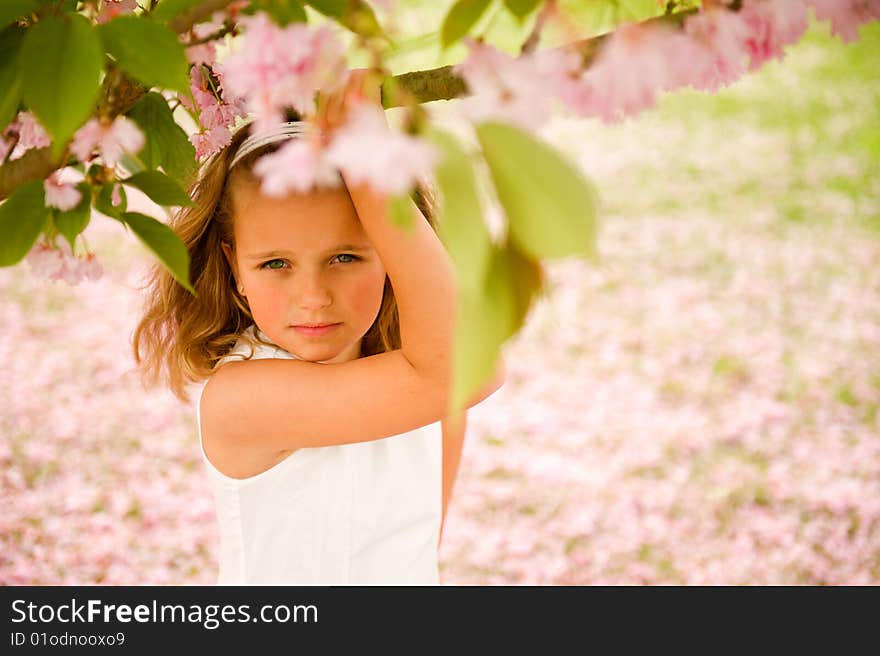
x=316 y=353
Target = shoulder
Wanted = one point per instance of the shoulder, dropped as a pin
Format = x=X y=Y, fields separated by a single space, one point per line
x=232 y=377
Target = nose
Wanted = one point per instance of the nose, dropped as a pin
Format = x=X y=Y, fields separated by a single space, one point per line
x=312 y=290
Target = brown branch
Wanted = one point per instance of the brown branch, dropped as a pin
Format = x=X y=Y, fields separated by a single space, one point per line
x=442 y=84
x=531 y=42
x=228 y=28
x=184 y=21
x=120 y=93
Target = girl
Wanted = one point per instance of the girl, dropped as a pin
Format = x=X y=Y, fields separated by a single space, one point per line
x=323 y=334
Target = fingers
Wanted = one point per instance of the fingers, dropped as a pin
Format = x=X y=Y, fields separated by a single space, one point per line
x=360 y=85
x=329 y=112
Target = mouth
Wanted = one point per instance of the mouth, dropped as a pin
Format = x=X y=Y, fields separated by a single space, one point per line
x=315 y=330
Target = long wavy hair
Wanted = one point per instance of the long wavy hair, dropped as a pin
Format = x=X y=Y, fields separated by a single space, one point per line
x=180 y=338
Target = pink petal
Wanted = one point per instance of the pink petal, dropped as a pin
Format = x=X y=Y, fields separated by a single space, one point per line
x=366 y=151
x=298 y=166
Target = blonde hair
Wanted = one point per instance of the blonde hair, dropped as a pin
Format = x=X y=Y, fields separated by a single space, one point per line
x=180 y=338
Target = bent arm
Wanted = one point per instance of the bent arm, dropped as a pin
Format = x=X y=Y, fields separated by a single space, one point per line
x=423 y=278
x=454 y=430
x=453 y=444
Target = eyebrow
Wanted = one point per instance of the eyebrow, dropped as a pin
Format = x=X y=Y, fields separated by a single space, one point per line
x=341 y=247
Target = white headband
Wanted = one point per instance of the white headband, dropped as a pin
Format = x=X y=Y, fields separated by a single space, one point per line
x=283 y=131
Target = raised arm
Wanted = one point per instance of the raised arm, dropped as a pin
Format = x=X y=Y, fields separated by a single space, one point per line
x=417 y=263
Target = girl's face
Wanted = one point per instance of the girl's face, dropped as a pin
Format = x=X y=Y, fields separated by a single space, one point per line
x=305 y=259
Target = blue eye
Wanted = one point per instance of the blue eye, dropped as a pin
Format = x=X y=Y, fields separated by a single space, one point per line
x=263 y=265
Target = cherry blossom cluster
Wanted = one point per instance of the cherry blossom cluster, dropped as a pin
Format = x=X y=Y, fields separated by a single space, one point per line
x=640 y=60
x=24 y=133
x=215 y=113
x=54 y=261
x=59 y=263
x=110 y=9
x=278 y=68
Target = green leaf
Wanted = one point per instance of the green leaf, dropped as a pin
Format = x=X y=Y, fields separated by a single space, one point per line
x=356 y=15
x=61 y=61
x=72 y=222
x=11 y=10
x=594 y=17
x=167 y=144
x=460 y=222
x=165 y=243
x=489 y=316
x=148 y=51
x=10 y=73
x=463 y=15
x=132 y=163
x=332 y=8
x=521 y=8
x=526 y=282
x=550 y=205
x=401 y=211
x=168 y=9
x=483 y=320
x=282 y=12
x=639 y=10
x=22 y=217
x=161 y=189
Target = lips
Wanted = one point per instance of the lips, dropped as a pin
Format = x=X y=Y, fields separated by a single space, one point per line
x=316 y=330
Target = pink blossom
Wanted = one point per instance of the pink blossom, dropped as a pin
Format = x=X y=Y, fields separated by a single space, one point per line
x=110 y=9
x=686 y=60
x=503 y=87
x=846 y=15
x=365 y=150
x=634 y=64
x=561 y=70
x=123 y=135
x=299 y=165
x=278 y=67
x=59 y=263
x=31 y=134
x=116 y=195
x=5 y=145
x=210 y=142
x=91 y=268
x=723 y=33
x=772 y=24
x=204 y=53
x=199 y=86
x=61 y=195
x=218 y=114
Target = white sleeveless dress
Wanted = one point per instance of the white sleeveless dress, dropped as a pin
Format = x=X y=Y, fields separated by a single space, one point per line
x=366 y=513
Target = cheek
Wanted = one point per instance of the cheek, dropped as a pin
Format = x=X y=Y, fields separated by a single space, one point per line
x=267 y=303
x=365 y=293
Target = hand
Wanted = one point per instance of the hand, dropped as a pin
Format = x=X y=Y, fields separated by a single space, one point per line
x=361 y=85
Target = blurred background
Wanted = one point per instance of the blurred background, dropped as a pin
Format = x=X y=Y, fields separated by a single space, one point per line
x=699 y=408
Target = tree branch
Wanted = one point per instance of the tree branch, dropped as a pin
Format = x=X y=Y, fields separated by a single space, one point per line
x=120 y=93
x=184 y=21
